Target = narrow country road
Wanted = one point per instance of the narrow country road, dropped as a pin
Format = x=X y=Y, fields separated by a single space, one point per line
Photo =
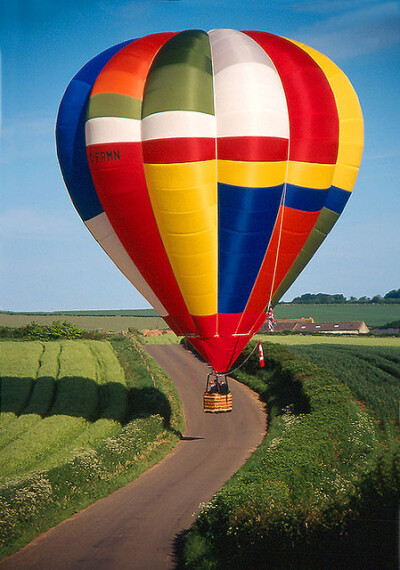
x=135 y=527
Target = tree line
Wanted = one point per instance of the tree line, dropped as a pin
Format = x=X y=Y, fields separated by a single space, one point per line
x=392 y=296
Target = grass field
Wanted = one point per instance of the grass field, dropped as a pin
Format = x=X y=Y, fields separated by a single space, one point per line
x=373 y=315
x=79 y=419
x=371 y=373
x=322 y=490
x=348 y=340
x=114 y=321
x=102 y=313
x=57 y=397
x=88 y=322
x=162 y=339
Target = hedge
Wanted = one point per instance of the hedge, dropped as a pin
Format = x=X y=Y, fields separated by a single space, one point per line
x=310 y=495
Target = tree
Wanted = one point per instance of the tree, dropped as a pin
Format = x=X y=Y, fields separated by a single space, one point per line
x=393 y=294
x=319 y=298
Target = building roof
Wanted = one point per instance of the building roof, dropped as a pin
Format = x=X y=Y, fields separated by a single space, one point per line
x=285 y=324
x=333 y=327
x=307 y=324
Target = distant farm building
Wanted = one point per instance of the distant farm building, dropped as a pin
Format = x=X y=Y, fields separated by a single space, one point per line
x=349 y=327
x=286 y=324
x=309 y=326
x=155 y=332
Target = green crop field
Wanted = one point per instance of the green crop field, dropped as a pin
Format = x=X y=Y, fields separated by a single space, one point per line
x=373 y=315
x=322 y=490
x=102 y=323
x=57 y=397
x=348 y=340
x=114 y=321
x=372 y=374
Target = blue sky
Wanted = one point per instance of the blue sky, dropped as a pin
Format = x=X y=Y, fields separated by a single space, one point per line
x=49 y=261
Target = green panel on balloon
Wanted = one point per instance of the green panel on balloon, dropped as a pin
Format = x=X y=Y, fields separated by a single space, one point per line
x=181 y=76
x=114 y=105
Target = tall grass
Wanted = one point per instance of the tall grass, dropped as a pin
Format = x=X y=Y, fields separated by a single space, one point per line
x=310 y=494
x=372 y=374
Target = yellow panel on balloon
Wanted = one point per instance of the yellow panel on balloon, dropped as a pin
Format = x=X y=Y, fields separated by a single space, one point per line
x=310 y=174
x=345 y=177
x=184 y=201
x=351 y=125
x=268 y=174
x=251 y=174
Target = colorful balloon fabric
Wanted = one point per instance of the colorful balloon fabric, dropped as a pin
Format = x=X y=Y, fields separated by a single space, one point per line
x=210 y=167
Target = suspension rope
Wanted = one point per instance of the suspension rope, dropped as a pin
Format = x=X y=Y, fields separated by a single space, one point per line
x=244 y=361
x=281 y=205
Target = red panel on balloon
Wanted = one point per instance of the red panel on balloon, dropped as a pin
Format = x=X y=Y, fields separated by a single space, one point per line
x=228 y=323
x=165 y=151
x=314 y=122
x=121 y=187
x=263 y=149
x=206 y=326
x=127 y=70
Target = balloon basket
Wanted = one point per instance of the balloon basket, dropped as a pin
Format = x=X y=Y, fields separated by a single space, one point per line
x=217 y=396
x=215 y=403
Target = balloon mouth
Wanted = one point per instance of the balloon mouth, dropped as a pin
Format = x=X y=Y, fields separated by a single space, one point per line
x=207 y=337
x=220 y=351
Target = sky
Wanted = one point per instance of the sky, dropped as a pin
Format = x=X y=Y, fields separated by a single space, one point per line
x=48 y=259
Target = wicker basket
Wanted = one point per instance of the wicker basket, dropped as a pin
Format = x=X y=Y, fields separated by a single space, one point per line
x=217 y=402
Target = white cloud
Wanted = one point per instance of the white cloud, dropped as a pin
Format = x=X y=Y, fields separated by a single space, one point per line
x=27 y=135
x=329 y=7
x=22 y=224
x=33 y=125
x=383 y=155
x=369 y=28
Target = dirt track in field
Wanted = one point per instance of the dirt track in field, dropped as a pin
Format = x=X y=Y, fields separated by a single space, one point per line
x=135 y=527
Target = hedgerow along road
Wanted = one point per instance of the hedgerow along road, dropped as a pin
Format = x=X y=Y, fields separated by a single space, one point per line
x=135 y=527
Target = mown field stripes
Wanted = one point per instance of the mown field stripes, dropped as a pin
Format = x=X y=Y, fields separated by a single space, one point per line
x=41 y=396
x=57 y=397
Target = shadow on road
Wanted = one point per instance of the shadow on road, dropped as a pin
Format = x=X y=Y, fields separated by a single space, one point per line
x=178 y=545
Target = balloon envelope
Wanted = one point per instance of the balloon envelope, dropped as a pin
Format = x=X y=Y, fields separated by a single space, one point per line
x=210 y=167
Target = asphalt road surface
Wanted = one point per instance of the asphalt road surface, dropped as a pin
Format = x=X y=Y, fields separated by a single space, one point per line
x=135 y=527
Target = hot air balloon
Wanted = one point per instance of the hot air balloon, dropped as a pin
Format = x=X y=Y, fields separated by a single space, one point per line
x=210 y=167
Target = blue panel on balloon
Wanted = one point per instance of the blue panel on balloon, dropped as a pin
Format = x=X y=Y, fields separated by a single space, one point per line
x=305 y=199
x=70 y=135
x=246 y=219
x=337 y=199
